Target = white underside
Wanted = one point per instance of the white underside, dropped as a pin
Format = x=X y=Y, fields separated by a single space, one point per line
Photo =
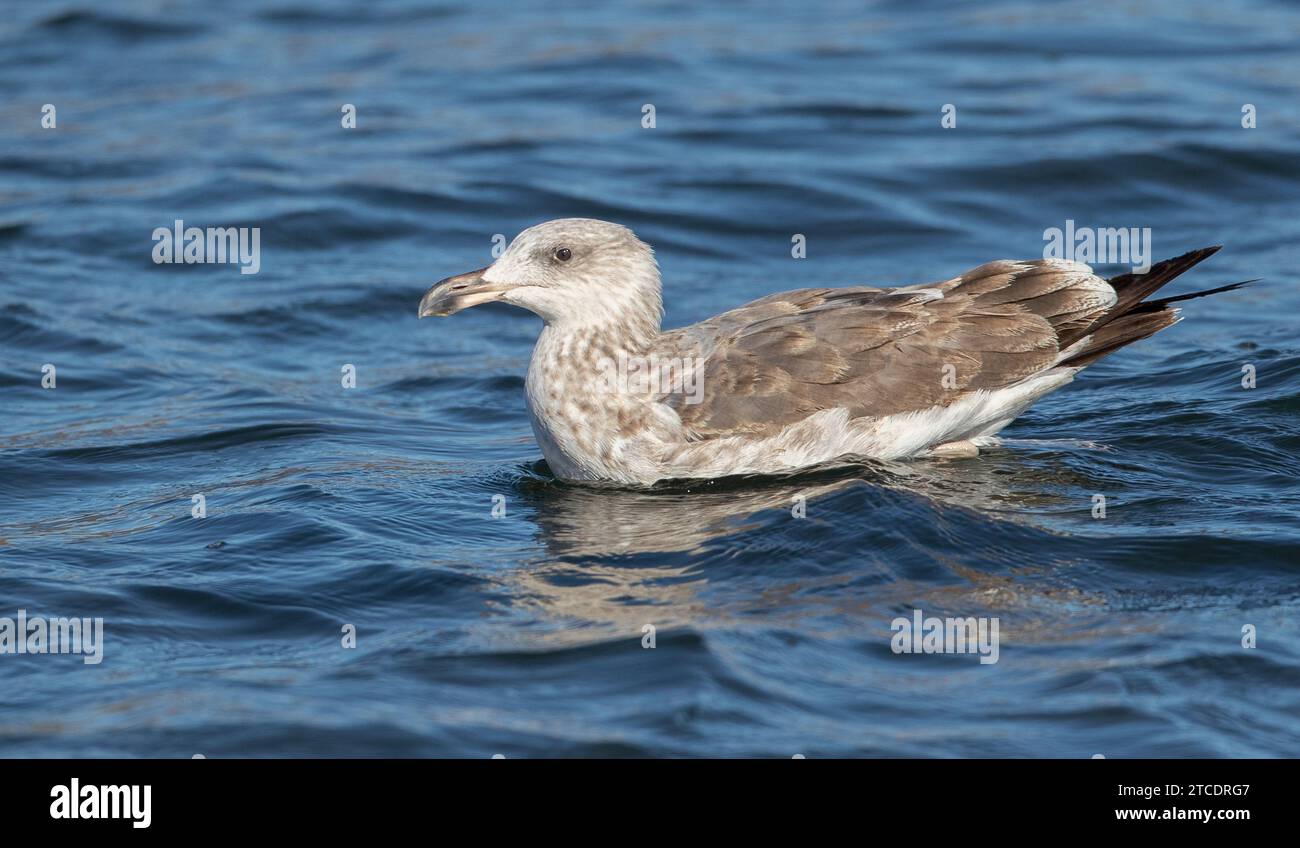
x=820 y=438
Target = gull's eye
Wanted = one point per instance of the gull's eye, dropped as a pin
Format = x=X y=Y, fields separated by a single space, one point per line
x=563 y=254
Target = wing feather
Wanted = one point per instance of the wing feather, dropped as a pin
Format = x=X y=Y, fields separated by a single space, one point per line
x=882 y=351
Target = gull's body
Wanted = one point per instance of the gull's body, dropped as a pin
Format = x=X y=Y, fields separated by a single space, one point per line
x=795 y=379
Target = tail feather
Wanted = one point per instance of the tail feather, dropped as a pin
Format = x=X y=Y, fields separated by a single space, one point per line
x=1122 y=331
x=1133 y=317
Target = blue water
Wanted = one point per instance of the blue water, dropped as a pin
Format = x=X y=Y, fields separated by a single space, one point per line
x=522 y=635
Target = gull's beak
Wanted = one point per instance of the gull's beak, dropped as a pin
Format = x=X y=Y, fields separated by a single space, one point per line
x=459 y=292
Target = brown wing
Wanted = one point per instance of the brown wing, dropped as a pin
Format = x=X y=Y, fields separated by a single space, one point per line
x=879 y=352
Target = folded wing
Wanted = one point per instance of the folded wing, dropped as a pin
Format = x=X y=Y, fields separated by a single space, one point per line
x=883 y=351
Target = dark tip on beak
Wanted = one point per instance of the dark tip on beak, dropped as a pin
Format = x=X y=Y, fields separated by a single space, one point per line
x=453 y=294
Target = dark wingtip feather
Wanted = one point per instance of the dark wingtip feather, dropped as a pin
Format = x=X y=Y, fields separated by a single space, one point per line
x=1133 y=317
x=1162 y=272
x=1151 y=305
x=1132 y=289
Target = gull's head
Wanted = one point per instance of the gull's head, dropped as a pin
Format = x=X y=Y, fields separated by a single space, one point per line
x=571 y=272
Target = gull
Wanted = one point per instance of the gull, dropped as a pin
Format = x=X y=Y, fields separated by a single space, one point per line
x=797 y=379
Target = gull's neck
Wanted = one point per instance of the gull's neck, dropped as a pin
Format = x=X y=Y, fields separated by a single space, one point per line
x=625 y=315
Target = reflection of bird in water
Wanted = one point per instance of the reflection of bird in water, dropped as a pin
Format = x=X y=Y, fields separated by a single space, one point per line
x=796 y=379
x=620 y=559
x=683 y=516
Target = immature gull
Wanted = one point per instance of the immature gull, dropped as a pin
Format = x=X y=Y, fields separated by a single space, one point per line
x=799 y=378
